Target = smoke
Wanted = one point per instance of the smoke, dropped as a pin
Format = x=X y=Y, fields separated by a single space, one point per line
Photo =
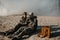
x=39 y=7
x=3 y=11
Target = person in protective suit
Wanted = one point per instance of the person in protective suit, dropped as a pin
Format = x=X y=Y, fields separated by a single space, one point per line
x=25 y=16
x=20 y=24
x=33 y=21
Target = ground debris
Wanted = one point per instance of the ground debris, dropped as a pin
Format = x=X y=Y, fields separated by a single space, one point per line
x=35 y=37
x=4 y=38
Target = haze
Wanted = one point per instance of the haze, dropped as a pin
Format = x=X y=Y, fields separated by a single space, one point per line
x=39 y=7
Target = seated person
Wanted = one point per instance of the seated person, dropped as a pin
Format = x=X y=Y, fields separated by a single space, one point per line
x=34 y=21
x=22 y=23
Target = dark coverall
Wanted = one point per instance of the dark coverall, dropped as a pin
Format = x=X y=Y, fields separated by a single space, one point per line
x=34 y=20
x=17 y=26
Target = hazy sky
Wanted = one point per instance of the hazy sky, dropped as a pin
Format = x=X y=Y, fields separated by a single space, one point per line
x=39 y=7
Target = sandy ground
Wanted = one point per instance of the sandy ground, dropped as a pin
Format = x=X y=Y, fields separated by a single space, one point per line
x=4 y=38
x=10 y=22
x=35 y=37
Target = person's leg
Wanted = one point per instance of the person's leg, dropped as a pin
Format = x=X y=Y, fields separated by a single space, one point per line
x=13 y=30
x=19 y=30
x=9 y=32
